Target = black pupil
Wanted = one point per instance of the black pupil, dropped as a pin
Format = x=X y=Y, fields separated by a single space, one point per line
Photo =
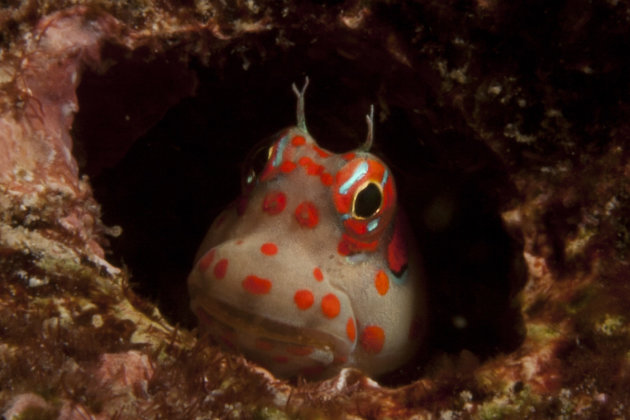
x=367 y=201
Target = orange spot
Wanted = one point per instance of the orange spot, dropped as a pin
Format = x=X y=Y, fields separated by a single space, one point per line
x=373 y=339
x=298 y=141
x=306 y=214
x=381 y=282
x=317 y=273
x=206 y=260
x=269 y=248
x=262 y=344
x=349 y=156
x=287 y=166
x=280 y=359
x=303 y=299
x=221 y=268
x=351 y=330
x=300 y=350
x=274 y=202
x=256 y=285
x=326 y=179
x=330 y=305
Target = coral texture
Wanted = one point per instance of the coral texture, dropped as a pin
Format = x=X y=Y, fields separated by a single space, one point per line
x=506 y=122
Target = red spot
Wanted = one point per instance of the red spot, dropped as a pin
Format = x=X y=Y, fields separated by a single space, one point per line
x=239 y=242
x=315 y=169
x=303 y=299
x=274 y=202
x=306 y=214
x=321 y=152
x=287 y=166
x=351 y=330
x=220 y=268
x=206 y=260
x=311 y=167
x=349 y=156
x=381 y=282
x=397 y=248
x=349 y=245
x=298 y=141
x=269 y=248
x=330 y=305
x=262 y=344
x=305 y=161
x=317 y=273
x=280 y=359
x=373 y=339
x=256 y=285
x=300 y=350
x=326 y=179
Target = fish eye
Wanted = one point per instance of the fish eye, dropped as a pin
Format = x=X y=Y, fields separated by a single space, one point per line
x=367 y=201
x=255 y=163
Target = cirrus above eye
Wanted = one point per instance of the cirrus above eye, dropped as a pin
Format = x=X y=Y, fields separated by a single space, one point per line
x=367 y=201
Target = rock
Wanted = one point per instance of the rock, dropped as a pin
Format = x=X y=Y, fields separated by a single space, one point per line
x=506 y=123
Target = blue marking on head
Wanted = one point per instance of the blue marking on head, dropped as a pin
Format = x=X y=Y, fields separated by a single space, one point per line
x=385 y=175
x=373 y=224
x=280 y=151
x=399 y=280
x=360 y=172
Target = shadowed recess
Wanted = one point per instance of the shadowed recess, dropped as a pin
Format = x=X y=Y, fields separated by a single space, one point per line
x=162 y=140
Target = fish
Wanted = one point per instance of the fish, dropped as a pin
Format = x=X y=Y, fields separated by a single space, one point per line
x=313 y=268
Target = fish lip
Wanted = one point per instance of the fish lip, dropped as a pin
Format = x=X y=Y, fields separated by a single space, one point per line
x=212 y=310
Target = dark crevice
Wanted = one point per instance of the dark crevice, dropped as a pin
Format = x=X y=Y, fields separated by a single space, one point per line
x=164 y=161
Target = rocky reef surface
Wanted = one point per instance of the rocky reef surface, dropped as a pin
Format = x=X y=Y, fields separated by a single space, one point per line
x=122 y=126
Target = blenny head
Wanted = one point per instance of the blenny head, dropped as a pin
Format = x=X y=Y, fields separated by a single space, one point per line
x=312 y=268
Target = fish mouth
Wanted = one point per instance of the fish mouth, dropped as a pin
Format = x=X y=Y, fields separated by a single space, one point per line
x=212 y=312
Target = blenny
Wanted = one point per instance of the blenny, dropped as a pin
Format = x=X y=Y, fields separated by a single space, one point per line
x=312 y=268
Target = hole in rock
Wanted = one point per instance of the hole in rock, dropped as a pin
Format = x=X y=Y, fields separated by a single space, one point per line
x=162 y=139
